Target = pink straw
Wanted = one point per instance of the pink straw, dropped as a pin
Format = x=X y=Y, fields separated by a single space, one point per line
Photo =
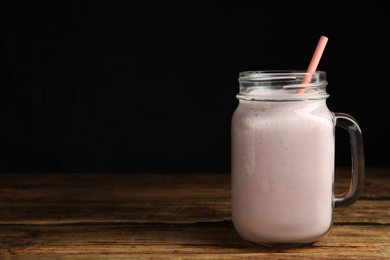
x=314 y=61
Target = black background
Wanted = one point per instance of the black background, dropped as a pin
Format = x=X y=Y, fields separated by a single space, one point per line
x=112 y=86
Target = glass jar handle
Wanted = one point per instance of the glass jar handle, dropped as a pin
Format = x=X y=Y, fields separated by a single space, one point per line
x=357 y=179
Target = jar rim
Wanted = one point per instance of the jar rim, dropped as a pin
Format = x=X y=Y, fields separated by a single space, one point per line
x=271 y=75
x=282 y=85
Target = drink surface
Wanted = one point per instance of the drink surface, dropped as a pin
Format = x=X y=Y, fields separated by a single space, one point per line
x=282 y=171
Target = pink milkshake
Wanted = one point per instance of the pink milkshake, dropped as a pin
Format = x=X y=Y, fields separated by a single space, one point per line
x=282 y=160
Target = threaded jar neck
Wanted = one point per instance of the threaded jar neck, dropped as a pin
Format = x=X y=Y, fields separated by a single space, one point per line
x=276 y=85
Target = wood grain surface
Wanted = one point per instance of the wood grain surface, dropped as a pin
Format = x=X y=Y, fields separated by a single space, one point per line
x=167 y=216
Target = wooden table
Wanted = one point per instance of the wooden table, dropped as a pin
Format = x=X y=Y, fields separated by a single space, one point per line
x=166 y=216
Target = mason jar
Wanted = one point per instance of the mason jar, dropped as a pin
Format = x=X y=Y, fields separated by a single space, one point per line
x=283 y=149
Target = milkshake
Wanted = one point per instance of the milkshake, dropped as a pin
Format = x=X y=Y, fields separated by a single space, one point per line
x=282 y=160
x=282 y=171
